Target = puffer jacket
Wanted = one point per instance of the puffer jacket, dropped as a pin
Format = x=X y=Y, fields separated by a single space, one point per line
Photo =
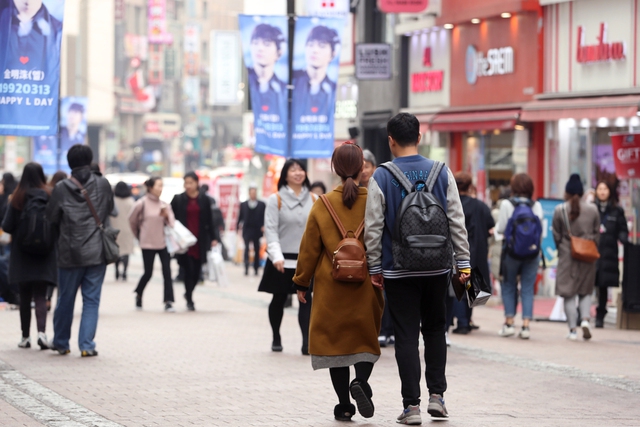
x=80 y=240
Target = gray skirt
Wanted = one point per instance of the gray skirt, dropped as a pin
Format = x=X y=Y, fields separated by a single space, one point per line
x=325 y=362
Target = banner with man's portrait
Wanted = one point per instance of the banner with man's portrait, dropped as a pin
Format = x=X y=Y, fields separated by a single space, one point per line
x=265 y=52
x=316 y=64
x=30 y=36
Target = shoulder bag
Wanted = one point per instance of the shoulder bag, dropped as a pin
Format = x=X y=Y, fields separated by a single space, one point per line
x=584 y=250
x=110 y=249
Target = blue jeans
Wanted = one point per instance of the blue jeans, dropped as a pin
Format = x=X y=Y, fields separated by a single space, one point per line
x=89 y=280
x=528 y=270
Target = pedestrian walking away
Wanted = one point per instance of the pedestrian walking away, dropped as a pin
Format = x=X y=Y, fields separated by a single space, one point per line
x=26 y=222
x=251 y=223
x=519 y=220
x=416 y=298
x=81 y=258
x=124 y=204
x=284 y=223
x=147 y=221
x=193 y=210
x=346 y=316
x=575 y=279
x=613 y=229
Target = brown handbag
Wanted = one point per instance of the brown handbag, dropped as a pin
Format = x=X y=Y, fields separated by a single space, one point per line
x=584 y=250
x=349 y=260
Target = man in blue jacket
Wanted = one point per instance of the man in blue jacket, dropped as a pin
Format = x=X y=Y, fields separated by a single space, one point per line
x=416 y=298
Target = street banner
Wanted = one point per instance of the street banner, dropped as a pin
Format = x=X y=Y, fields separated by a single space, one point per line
x=548 y=245
x=191 y=73
x=30 y=36
x=626 y=154
x=265 y=53
x=315 y=63
x=225 y=72
x=73 y=125
x=157 y=21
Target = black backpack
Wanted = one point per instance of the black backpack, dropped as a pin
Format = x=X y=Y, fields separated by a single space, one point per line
x=421 y=239
x=34 y=232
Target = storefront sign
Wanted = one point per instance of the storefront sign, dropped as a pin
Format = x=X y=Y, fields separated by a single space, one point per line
x=626 y=150
x=603 y=51
x=157 y=22
x=373 y=61
x=328 y=8
x=429 y=81
x=498 y=61
x=346 y=109
x=402 y=6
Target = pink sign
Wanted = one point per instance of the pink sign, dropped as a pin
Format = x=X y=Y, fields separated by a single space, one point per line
x=402 y=6
x=157 y=18
x=626 y=154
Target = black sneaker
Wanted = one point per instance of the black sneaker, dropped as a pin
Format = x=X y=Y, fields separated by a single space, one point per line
x=168 y=307
x=191 y=306
x=461 y=330
x=60 y=351
x=276 y=346
x=138 y=302
x=89 y=353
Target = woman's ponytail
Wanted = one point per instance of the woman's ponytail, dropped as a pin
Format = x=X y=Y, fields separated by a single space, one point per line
x=349 y=192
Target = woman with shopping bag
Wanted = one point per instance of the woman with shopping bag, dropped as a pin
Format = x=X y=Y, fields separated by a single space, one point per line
x=193 y=210
x=148 y=219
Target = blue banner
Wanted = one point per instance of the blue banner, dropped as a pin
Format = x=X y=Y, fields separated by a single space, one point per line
x=266 y=56
x=315 y=63
x=549 y=249
x=30 y=35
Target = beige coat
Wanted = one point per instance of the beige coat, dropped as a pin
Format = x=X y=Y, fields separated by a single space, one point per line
x=121 y=222
x=575 y=277
x=345 y=317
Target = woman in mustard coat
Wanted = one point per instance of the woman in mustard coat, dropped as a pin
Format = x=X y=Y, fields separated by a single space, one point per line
x=345 y=316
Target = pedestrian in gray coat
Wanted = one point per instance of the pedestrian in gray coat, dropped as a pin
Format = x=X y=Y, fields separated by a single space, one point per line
x=575 y=278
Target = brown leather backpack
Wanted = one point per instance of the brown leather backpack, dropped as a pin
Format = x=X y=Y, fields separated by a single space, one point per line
x=349 y=258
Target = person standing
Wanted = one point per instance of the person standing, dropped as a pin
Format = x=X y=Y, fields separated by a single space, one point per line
x=613 y=228
x=147 y=220
x=193 y=210
x=369 y=167
x=251 y=222
x=346 y=317
x=29 y=199
x=124 y=204
x=512 y=267
x=81 y=261
x=575 y=278
x=416 y=298
x=284 y=223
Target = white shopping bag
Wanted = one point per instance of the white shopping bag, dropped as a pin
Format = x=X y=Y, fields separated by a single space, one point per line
x=178 y=238
x=215 y=267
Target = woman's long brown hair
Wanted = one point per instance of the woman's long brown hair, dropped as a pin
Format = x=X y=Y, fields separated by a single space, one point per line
x=347 y=162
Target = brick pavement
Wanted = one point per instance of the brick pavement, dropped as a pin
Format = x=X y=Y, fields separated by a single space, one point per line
x=214 y=367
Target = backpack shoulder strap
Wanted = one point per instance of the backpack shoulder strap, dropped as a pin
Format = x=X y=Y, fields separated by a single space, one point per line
x=434 y=174
x=279 y=201
x=314 y=197
x=359 y=230
x=334 y=215
x=566 y=219
x=398 y=175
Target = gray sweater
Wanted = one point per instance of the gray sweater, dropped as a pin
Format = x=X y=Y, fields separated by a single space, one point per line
x=284 y=227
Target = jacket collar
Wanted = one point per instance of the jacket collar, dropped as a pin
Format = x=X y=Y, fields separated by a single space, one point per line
x=290 y=200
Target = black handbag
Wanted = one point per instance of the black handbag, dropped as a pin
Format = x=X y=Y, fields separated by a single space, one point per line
x=110 y=248
x=479 y=291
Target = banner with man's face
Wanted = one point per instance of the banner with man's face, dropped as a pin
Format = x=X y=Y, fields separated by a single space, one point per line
x=265 y=53
x=30 y=36
x=315 y=74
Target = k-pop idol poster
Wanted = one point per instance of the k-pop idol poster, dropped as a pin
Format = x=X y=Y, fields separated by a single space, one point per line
x=315 y=63
x=265 y=52
x=30 y=35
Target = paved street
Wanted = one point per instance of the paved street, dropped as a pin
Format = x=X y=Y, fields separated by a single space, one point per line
x=214 y=367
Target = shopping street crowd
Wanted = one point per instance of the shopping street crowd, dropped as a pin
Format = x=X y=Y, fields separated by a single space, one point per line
x=395 y=284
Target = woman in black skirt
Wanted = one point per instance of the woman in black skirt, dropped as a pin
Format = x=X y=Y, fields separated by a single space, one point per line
x=285 y=222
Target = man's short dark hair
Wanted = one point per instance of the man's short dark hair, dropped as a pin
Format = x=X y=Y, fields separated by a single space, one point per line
x=404 y=128
x=77 y=107
x=268 y=33
x=324 y=34
x=192 y=175
x=79 y=155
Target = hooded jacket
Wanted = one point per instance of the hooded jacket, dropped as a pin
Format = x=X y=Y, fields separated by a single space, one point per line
x=80 y=240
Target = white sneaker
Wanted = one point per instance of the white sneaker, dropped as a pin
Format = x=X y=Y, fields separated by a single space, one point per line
x=25 y=343
x=446 y=339
x=507 y=331
x=573 y=336
x=586 y=332
x=524 y=334
x=43 y=342
x=410 y=416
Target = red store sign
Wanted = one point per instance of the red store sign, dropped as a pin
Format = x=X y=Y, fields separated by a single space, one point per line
x=429 y=81
x=626 y=154
x=603 y=51
x=402 y=6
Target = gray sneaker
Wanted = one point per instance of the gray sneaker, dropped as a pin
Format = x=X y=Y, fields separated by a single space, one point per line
x=436 y=407
x=410 y=416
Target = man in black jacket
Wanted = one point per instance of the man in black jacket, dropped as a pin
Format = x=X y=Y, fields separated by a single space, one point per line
x=251 y=220
x=81 y=260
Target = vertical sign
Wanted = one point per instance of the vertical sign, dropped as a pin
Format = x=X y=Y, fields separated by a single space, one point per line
x=626 y=154
x=157 y=21
x=30 y=36
x=191 y=71
x=265 y=53
x=315 y=64
x=373 y=61
x=224 y=66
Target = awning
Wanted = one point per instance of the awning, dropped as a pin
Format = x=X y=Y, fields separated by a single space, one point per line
x=610 y=107
x=475 y=120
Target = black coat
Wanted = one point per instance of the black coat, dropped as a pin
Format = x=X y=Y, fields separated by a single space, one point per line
x=478 y=221
x=251 y=220
x=613 y=228
x=25 y=267
x=207 y=232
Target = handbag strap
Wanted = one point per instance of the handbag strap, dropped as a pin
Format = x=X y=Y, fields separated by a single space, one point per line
x=566 y=219
x=84 y=192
